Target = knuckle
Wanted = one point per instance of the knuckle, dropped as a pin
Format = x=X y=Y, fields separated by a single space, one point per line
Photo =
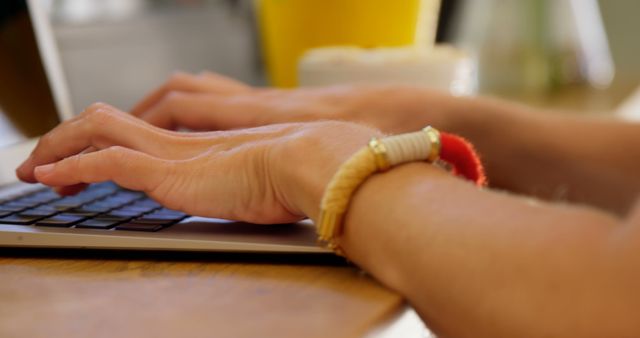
x=101 y=116
x=171 y=98
x=322 y=133
x=178 y=77
x=117 y=154
x=92 y=108
x=75 y=162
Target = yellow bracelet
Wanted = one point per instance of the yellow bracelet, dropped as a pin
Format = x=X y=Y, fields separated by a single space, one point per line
x=379 y=155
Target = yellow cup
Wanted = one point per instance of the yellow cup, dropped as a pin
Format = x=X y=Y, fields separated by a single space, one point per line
x=289 y=27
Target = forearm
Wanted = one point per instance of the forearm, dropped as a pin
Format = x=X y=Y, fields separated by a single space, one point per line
x=484 y=264
x=552 y=156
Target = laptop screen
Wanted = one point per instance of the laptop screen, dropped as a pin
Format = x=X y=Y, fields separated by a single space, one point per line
x=27 y=108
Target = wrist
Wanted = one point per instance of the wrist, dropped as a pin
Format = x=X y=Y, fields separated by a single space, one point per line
x=389 y=198
x=423 y=106
x=305 y=164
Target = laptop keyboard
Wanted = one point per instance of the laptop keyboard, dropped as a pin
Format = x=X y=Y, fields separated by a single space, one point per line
x=103 y=206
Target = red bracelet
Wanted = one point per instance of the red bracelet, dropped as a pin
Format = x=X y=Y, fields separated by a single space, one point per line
x=462 y=157
x=426 y=145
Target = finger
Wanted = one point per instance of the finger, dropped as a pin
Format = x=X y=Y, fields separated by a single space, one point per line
x=208 y=112
x=226 y=85
x=128 y=168
x=100 y=126
x=198 y=111
x=70 y=190
x=74 y=189
x=184 y=82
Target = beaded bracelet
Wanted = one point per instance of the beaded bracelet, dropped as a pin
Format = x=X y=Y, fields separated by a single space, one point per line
x=382 y=154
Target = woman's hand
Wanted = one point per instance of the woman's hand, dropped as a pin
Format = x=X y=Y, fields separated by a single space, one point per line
x=212 y=102
x=272 y=174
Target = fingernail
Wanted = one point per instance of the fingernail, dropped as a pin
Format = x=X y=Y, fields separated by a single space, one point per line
x=44 y=169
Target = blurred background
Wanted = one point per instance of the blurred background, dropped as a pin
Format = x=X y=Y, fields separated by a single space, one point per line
x=550 y=53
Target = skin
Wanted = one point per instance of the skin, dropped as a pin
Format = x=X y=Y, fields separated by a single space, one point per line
x=555 y=256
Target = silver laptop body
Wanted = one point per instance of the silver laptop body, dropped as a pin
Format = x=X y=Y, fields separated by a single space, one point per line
x=190 y=234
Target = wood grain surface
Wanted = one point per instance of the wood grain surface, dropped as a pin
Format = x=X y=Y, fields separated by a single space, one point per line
x=77 y=294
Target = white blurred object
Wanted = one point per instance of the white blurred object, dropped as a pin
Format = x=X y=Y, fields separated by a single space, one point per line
x=536 y=45
x=83 y=11
x=427 y=23
x=135 y=45
x=441 y=67
x=597 y=61
x=630 y=108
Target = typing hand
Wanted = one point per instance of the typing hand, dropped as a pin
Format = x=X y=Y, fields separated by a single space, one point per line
x=270 y=174
x=212 y=102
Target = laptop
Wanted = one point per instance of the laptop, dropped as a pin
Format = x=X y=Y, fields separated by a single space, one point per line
x=33 y=99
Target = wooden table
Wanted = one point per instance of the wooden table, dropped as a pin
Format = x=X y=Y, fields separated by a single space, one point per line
x=100 y=294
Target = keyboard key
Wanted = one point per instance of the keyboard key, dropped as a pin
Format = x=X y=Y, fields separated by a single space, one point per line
x=46 y=194
x=61 y=220
x=165 y=211
x=98 y=193
x=81 y=212
x=148 y=202
x=4 y=207
x=95 y=207
x=43 y=210
x=20 y=220
x=118 y=213
x=125 y=197
x=140 y=209
x=40 y=197
x=67 y=203
x=79 y=199
x=163 y=216
x=139 y=227
x=17 y=206
x=114 y=218
x=11 y=209
x=4 y=213
x=105 y=186
x=97 y=223
x=30 y=201
x=108 y=203
x=162 y=222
